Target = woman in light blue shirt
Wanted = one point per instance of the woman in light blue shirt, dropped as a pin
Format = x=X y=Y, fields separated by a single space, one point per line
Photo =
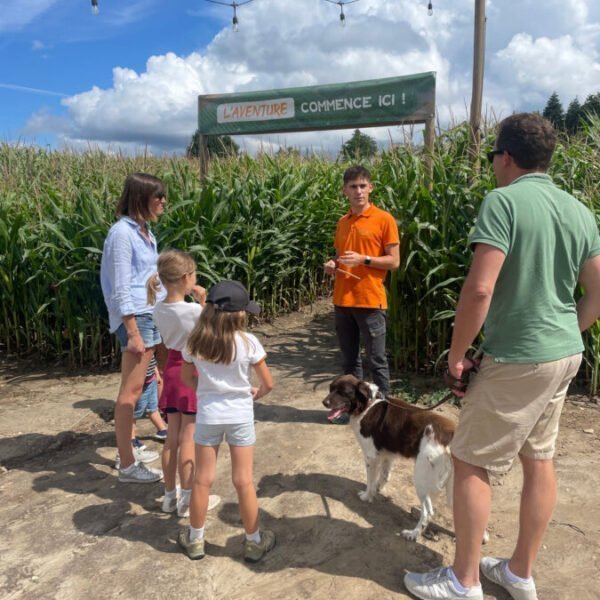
x=129 y=259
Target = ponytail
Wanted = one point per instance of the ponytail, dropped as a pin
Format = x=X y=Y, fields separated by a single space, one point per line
x=152 y=286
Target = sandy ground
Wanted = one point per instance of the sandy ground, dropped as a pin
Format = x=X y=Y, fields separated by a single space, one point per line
x=70 y=530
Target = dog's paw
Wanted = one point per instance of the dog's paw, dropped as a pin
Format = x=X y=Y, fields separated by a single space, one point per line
x=365 y=496
x=411 y=534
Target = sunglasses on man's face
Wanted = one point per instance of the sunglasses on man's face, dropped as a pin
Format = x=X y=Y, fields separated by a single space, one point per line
x=492 y=153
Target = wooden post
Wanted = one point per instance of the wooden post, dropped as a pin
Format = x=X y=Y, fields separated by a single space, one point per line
x=477 y=92
x=429 y=140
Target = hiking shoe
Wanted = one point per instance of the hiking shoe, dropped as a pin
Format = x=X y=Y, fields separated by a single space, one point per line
x=140 y=473
x=195 y=549
x=169 y=503
x=253 y=552
x=438 y=585
x=494 y=569
x=160 y=436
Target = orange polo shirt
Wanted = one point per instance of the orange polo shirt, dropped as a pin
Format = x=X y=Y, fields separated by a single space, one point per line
x=367 y=233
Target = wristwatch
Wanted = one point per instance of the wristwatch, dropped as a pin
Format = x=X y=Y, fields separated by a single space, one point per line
x=367 y=260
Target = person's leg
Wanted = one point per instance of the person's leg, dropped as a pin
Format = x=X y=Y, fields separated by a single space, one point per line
x=186 y=450
x=204 y=477
x=169 y=454
x=157 y=420
x=348 y=335
x=472 y=505
x=242 y=461
x=372 y=324
x=538 y=499
x=133 y=373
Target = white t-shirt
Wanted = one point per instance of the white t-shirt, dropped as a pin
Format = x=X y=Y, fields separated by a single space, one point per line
x=224 y=391
x=175 y=322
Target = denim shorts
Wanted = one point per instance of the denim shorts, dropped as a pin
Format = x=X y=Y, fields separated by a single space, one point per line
x=148 y=401
x=236 y=434
x=148 y=331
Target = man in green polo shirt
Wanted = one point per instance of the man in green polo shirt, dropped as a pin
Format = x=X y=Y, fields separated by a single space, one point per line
x=533 y=244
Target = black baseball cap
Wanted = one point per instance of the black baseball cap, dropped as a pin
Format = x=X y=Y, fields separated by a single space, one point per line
x=231 y=296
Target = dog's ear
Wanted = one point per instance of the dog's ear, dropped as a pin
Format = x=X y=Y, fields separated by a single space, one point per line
x=363 y=391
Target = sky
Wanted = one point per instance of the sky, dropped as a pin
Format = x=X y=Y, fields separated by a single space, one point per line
x=127 y=79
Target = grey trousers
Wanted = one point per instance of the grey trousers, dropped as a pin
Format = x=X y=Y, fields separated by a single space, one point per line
x=369 y=323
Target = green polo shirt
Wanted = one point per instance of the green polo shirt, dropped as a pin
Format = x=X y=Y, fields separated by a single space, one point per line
x=546 y=235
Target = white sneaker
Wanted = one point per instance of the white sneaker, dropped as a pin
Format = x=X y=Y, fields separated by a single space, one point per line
x=169 y=503
x=494 y=569
x=183 y=504
x=140 y=473
x=139 y=455
x=438 y=585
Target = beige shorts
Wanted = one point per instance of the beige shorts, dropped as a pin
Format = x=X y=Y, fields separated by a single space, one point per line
x=512 y=409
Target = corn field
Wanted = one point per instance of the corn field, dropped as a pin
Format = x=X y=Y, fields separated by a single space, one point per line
x=266 y=221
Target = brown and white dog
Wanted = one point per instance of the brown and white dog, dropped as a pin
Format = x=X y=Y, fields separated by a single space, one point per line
x=389 y=428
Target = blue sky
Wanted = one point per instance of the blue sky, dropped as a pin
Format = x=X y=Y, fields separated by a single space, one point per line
x=129 y=77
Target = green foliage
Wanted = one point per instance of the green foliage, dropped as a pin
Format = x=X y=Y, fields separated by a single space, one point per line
x=359 y=146
x=573 y=117
x=267 y=221
x=554 y=112
x=219 y=146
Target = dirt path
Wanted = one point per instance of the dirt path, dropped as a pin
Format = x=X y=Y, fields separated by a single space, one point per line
x=70 y=530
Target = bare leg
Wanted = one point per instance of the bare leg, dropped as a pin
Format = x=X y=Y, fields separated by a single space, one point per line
x=133 y=373
x=169 y=454
x=204 y=477
x=157 y=420
x=187 y=455
x=472 y=505
x=538 y=500
x=242 y=460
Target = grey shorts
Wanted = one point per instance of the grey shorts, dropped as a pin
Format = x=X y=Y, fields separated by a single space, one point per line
x=235 y=434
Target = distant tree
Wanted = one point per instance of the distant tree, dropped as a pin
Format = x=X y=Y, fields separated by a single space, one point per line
x=218 y=146
x=289 y=152
x=360 y=145
x=591 y=106
x=573 y=117
x=554 y=112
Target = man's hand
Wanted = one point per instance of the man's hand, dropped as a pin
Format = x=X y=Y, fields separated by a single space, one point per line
x=352 y=259
x=329 y=267
x=457 y=377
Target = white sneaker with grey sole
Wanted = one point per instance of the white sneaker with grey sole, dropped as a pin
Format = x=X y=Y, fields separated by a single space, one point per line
x=438 y=585
x=140 y=455
x=183 y=504
x=494 y=569
x=139 y=473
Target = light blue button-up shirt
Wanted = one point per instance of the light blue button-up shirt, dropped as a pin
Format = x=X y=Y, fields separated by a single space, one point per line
x=128 y=261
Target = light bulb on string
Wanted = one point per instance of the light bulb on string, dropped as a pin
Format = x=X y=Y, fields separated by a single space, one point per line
x=235 y=24
x=430 y=8
x=95 y=9
x=341 y=3
x=342 y=19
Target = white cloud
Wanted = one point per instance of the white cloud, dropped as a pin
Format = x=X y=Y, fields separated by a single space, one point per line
x=15 y=14
x=531 y=52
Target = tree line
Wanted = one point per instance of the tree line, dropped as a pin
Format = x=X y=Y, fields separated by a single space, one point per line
x=573 y=119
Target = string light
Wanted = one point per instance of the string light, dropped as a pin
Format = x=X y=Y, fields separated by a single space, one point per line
x=235 y=21
x=430 y=8
x=341 y=3
x=95 y=9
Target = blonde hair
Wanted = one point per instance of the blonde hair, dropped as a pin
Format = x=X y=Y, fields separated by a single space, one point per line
x=213 y=337
x=172 y=265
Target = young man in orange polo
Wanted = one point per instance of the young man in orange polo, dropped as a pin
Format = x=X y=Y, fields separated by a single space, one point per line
x=367 y=246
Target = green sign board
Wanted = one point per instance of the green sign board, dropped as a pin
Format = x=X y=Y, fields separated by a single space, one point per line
x=390 y=101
